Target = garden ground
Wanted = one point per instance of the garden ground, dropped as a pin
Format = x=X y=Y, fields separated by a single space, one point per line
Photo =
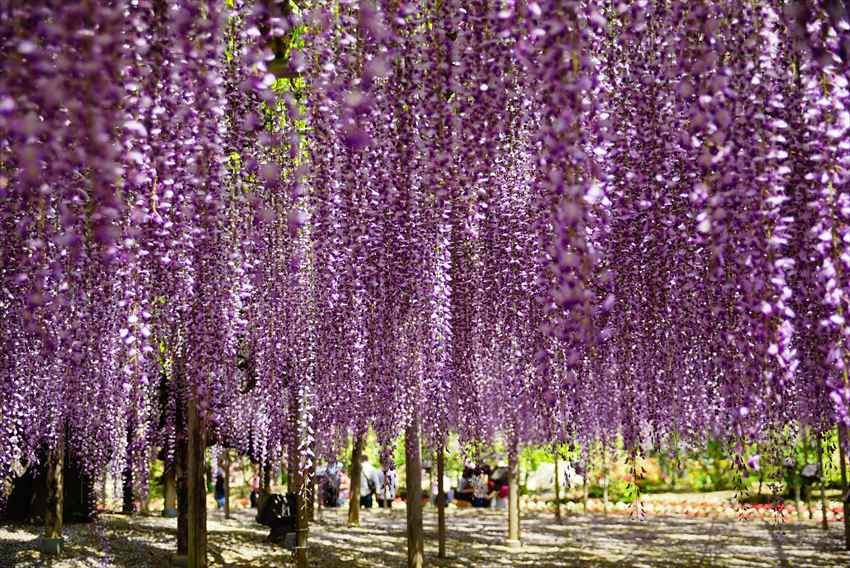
x=474 y=539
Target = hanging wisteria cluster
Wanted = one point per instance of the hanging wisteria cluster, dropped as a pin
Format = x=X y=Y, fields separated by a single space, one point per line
x=545 y=220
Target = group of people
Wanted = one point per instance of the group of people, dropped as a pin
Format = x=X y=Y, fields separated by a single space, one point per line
x=379 y=485
x=481 y=486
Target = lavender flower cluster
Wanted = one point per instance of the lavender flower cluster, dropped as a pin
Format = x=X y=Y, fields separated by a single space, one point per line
x=546 y=220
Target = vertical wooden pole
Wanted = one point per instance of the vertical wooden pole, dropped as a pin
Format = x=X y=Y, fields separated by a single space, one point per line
x=317 y=494
x=52 y=543
x=302 y=521
x=413 y=470
x=297 y=482
x=267 y=478
x=182 y=478
x=312 y=493
x=197 y=554
x=674 y=475
x=226 y=483
x=513 y=499
x=146 y=498
x=842 y=438
x=441 y=500
x=604 y=481
x=170 y=490
x=798 y=501
x=431 y=472
x=795 y=472
x=354 y=492
x=824 y=521
x=808 y=491
x=557 y=485
x=128 y=505
x=584 y=485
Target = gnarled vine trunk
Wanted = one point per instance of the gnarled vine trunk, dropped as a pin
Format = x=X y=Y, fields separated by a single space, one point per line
x=413 y=471
x=354 y=492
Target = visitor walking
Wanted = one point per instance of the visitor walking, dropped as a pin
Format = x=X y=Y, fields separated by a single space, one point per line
x=255 y=490
x=481 y=489
x=368 y=482
x=387 y=486
x=219 y=488
x=344 y=488
x=329 y=483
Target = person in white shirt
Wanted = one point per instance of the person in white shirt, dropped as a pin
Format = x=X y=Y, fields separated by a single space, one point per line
x=387 y=486
x=368 y=482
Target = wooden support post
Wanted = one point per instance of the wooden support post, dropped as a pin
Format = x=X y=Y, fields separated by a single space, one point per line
x=807 y=496
x=604 y=481
x=226 y=483
x=181 y=464
x=169 y=491
x=354 y=492
x=441 y=500
x=182 y=481
x=128 y=505
x=797 y=479
x=584 y=490
x=297 y=485
x=302 y=521
x=413 y=470
x=513 y=499
x=312 y=505
x=310 y=489
x=798 y=501
x=318 y=498
x=146 y=496
x=52 y=543
x=842 y=439
x=557 y=485
x=267 y=478
x=824 y=521
x=197 y=553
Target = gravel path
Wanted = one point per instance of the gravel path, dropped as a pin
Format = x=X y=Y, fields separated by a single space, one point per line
x=474 y=539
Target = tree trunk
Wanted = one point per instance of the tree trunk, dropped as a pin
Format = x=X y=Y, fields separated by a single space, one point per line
x=197 y=553
x=302 y=529
x=842 y=438
x=297 y=486
x=317 y=495
x=226 y=483
x=513 y=499
x=55 y=490
x=182 y=478
x=312 y=493
x=584 y=491
x=354 y=492
x=146 y=497
x=267 y=479
x=441 y=501
x=604 y=481
x=413 y=470
x=807 y=494
x=557 y=488
x=798 y=501
x=824 y=521
x=128 y=507
x=170 y=491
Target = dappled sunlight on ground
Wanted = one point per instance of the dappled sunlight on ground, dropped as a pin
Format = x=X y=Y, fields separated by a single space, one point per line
x=475 y=538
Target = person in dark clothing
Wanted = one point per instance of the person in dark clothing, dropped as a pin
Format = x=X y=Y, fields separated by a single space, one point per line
x=465 y=491
x=219 y=489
